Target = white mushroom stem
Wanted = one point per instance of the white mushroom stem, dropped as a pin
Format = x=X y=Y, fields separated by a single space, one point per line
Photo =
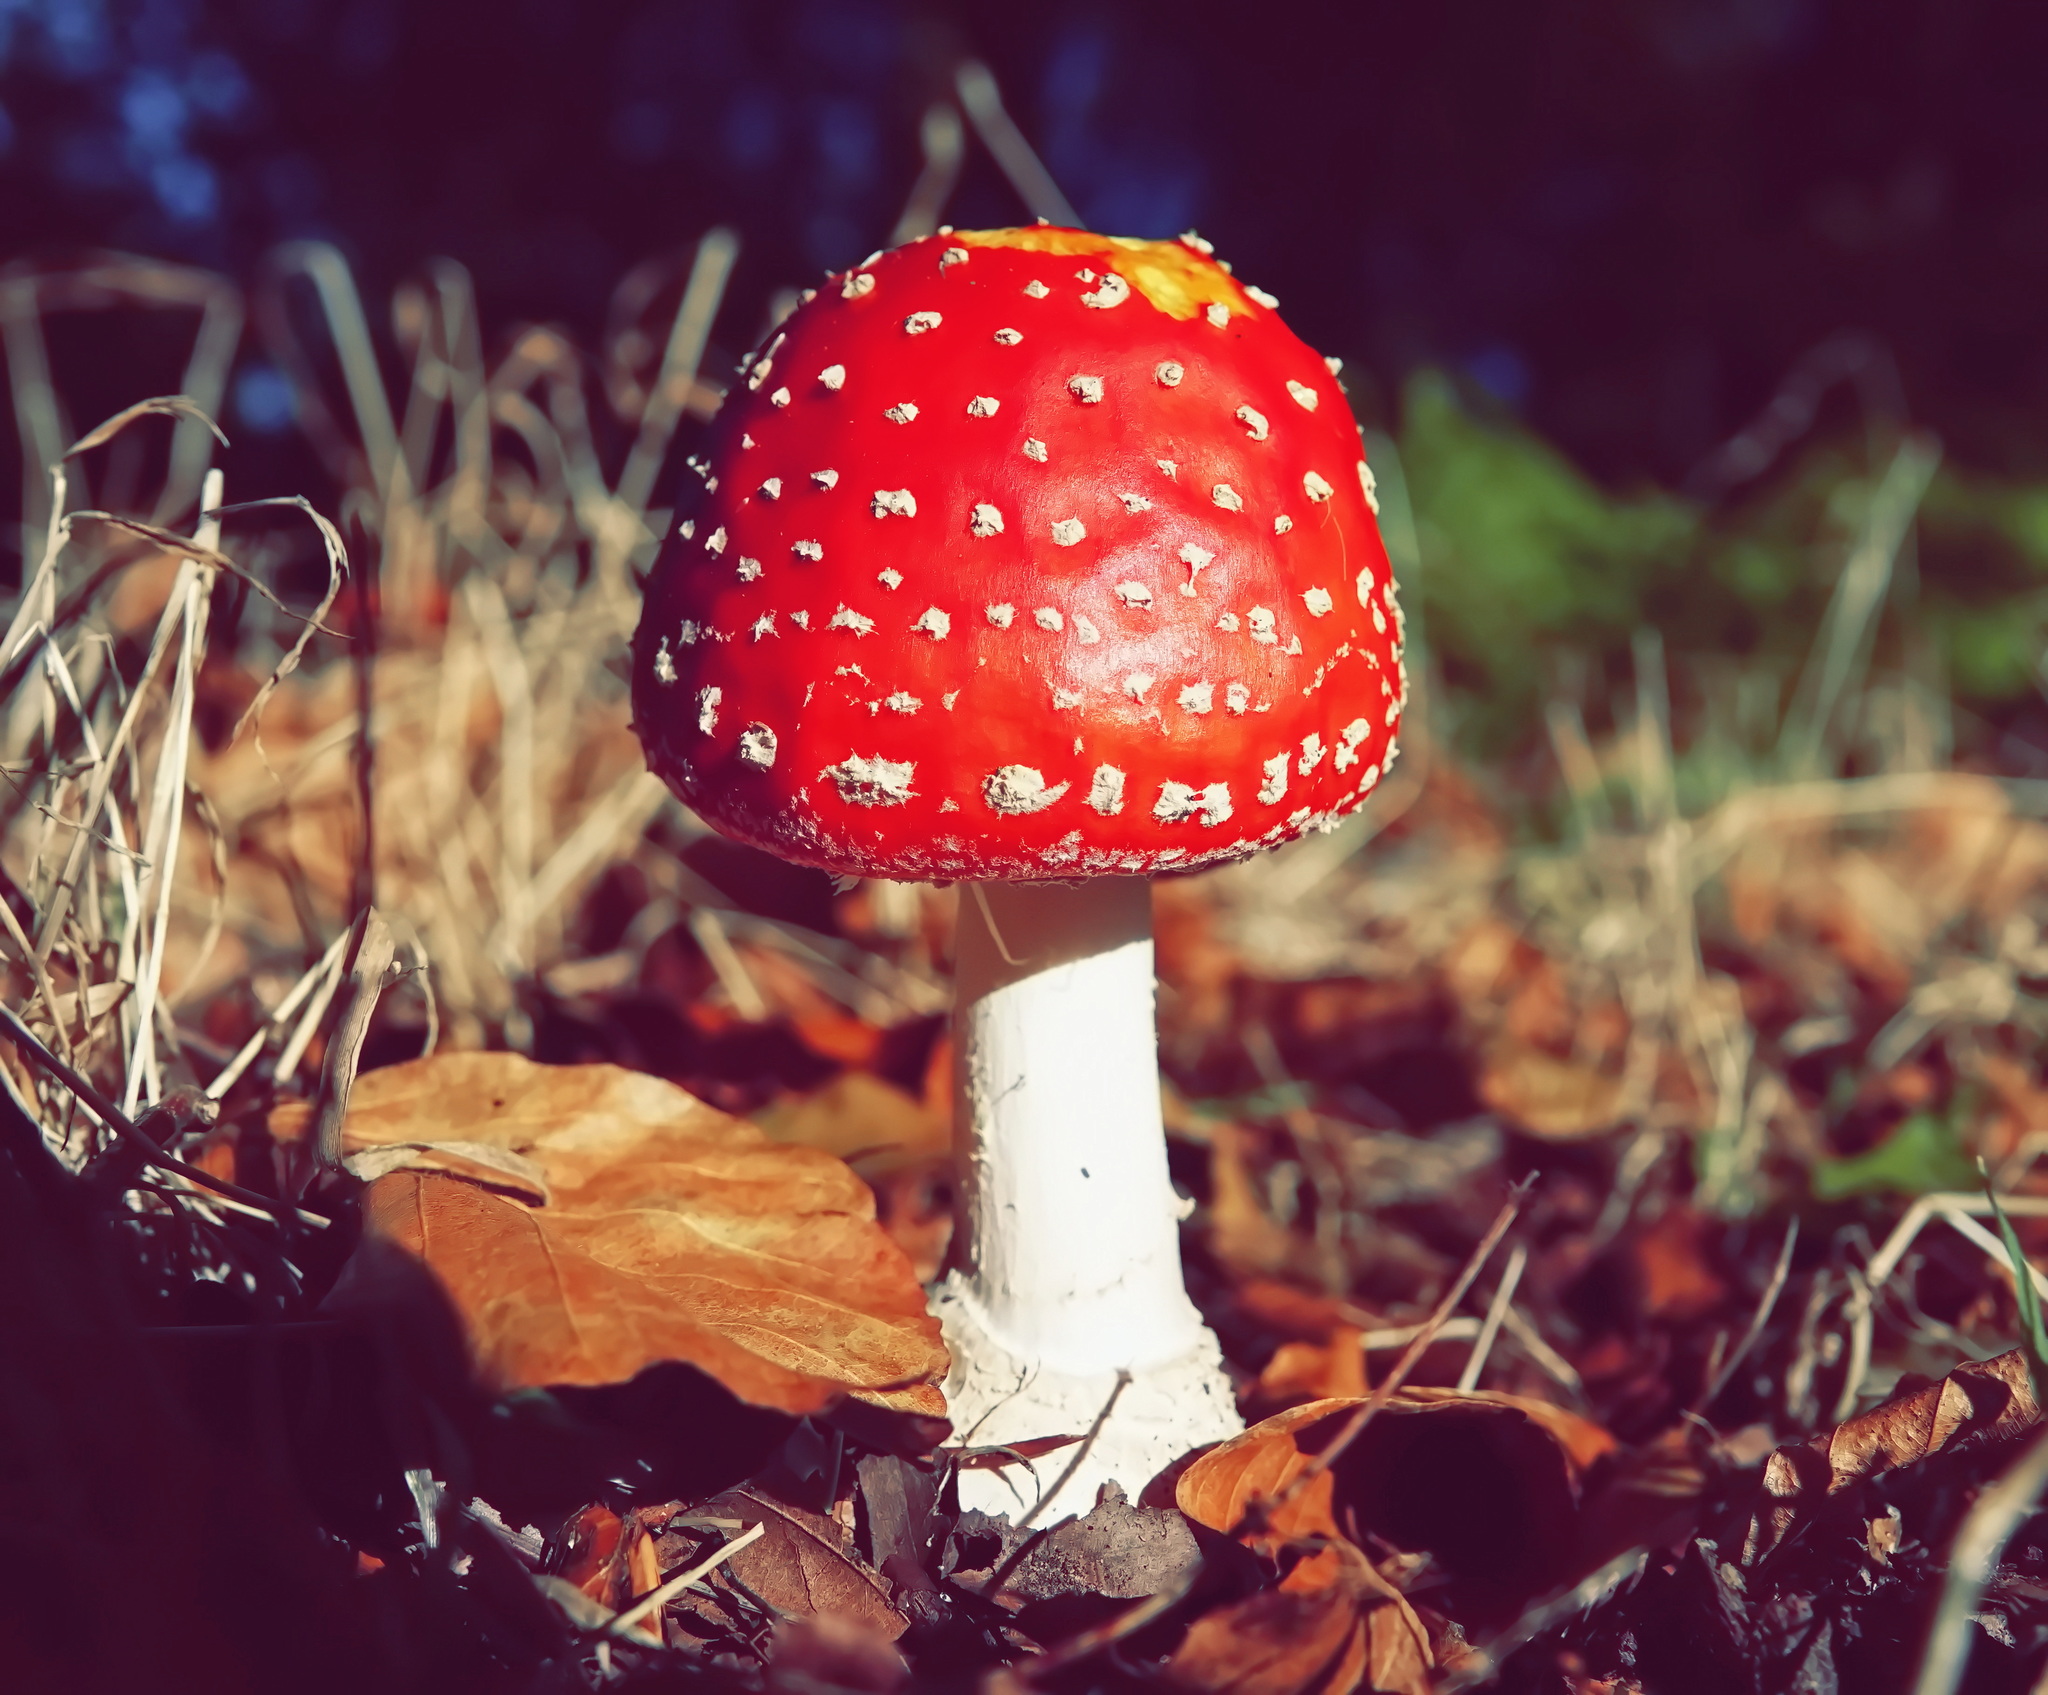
x=1069 y=1272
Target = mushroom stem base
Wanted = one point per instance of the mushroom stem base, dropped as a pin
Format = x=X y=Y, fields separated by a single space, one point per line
x=994 y=1396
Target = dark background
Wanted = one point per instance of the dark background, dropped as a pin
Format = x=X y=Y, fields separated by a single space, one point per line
x=1623 y=220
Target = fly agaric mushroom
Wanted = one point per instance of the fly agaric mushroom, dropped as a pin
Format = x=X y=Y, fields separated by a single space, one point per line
x=1041 y=561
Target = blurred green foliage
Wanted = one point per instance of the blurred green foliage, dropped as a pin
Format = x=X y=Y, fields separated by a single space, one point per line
x=1535 y=579
x=1919 y=1157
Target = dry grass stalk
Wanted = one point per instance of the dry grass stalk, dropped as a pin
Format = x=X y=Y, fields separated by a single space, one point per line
x=156 y=867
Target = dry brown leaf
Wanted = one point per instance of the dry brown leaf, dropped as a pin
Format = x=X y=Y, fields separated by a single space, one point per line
x=1651 y=1496
x=790 y=991
x=1010 y=1453
x=673 y=1232
x=1582 y=1442
x=642 y=1564
x=1294 y=1312
x=1242 y=1234
x=1674 y=1263
x=2021 y=1103
x=915 y=1204
x=811 y=1656
x=857 y=1116
x=833 y=1034
x=1275 y=1643
x=1560 y=1100
x=1117 y=1550
x=1332 y=1626
x=1482 y=962
x=804 y=1563
x=1979 y=1400
x=1310 y=1371
x=567 y=1119
x=899 y=1145
x=1194 y=957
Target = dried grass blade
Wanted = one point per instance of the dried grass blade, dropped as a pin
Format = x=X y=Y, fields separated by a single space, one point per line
x=160 y=845
x=309 y=1022
x=38 y=414
x=1496 y=1312
x=157 y=406
x=1985 y=1530
x=103 y=778
x=217 y=907
x=116 y=1120
x=1842 y=648
x=717 y=252
x=982 y=100
x=38 y=605
x=370 y=971
x=622 y=814
x=944 y=143
x=513 y=681
x=40 y=970
x=337 y=569
x=322 y=265
x=727 y=965
x=200 y=553
x=246 y=1056
x=655 y=1599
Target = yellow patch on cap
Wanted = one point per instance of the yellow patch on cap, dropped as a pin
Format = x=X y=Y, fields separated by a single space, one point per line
x=1170 y=274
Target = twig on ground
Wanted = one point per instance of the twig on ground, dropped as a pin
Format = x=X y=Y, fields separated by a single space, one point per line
x=1496 y=1311
x=1546 y=1614
x=1780 y=1270
x=1123 y=1382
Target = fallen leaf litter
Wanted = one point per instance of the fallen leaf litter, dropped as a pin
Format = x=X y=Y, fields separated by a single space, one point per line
x=1691 y=1024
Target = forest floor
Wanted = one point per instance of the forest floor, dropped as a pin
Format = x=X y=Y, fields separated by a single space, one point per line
x=1591 y=1183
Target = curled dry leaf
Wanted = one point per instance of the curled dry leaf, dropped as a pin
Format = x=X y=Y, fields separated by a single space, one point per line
x=670 y=1232
x=591 y=1545
x=497 y=1168
x=1221 y=1487
x=1333 y=1625
x=1486 y=1484
x=1979 y=1400
x=611 y=1559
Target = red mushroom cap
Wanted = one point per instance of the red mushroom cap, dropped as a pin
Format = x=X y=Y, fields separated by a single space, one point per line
x=1027 y=553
